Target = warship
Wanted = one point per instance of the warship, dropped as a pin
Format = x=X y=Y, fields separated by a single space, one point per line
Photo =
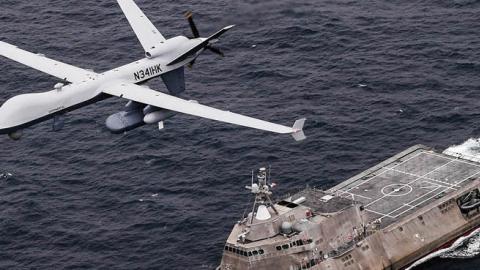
x=386 y=217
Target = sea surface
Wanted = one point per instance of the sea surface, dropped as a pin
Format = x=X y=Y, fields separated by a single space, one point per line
x=372 y=77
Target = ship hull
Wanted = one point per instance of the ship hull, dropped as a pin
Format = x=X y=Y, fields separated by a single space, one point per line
x=409 y=206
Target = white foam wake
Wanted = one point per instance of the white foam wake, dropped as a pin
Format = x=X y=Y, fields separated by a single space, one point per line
x=469 y=150
x=469 y=249
x=463 y=247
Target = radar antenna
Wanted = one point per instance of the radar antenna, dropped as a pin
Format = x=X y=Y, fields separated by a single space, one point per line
x=262 y=196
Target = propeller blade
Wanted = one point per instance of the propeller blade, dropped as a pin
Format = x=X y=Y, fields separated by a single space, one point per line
x=215 y=50
x=190 y=65
x=193 y=27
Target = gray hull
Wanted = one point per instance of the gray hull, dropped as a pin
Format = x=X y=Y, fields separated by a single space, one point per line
x=386 y=217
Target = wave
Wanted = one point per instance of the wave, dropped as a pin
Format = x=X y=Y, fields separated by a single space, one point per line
x=469 y=150
x=469 y=249
x=464 y=247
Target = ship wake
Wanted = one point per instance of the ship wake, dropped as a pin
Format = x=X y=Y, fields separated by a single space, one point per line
x=469 y=150
x=463 y=248
x=469 y=249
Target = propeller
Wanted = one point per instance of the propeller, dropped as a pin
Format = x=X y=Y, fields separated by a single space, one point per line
x=193 y=27
x=190 y=65
x=196 y=34
x=215 y=50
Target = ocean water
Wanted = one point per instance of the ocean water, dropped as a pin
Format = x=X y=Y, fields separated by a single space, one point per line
x=372 y=77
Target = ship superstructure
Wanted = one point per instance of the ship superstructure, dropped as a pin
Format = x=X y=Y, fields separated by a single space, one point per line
x=386 y=217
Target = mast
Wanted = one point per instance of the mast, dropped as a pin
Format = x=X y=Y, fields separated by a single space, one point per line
x=262 y=195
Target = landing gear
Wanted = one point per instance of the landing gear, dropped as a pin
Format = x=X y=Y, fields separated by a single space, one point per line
x=15 y=135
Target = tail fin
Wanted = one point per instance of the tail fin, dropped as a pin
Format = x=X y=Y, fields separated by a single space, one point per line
x=298 y=134
x=200 y=46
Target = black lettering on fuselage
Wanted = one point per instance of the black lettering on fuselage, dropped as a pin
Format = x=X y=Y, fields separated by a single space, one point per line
x=148 y=72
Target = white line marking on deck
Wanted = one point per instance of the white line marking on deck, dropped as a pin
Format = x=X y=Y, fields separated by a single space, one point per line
x=468 y=177
x=378 y=213
x=433 y=186
x=368 y=180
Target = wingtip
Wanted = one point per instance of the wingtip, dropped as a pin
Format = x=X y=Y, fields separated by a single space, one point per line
x=298 y=133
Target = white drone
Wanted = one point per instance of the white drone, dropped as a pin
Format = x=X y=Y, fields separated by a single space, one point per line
x=80 y=87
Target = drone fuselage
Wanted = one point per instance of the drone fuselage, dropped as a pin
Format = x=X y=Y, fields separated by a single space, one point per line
x=44 y=106
x=163 y=57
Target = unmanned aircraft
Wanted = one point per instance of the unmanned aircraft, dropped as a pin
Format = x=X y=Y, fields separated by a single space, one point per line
x=79 y=87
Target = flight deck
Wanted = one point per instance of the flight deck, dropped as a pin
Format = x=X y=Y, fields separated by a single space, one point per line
x=407 y=181
x=385 y=217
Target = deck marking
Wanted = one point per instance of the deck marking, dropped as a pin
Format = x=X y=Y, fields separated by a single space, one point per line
x=425 y=188
x=354 y=195
x=455 y=159
x=399 y=188
x=431 y=197
x=378 y=213
x=410 y=207
x=468 y=177
x=431 y=179
x=428 y=178
x=426 y=194
x=411 y=182
x=416 y=205
x=386 y=169
x=447 y=187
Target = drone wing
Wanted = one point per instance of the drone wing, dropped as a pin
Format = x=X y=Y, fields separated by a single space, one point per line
x=146 y=32
x=39 y=62
x=158 y=99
